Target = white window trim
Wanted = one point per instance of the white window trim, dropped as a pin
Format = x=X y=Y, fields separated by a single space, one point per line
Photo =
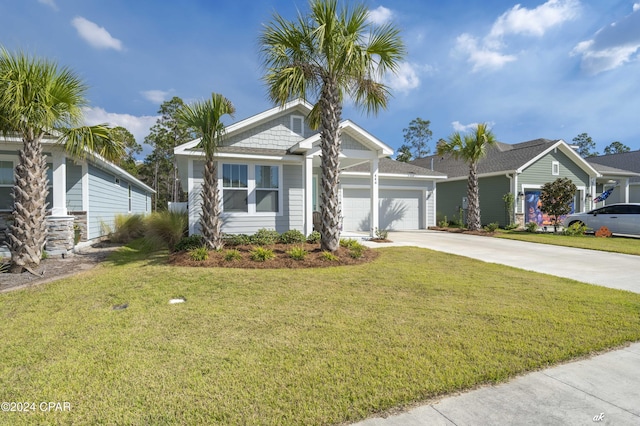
x=251 y=190
x=13 y=161
x=555 y=168
x=297 y=117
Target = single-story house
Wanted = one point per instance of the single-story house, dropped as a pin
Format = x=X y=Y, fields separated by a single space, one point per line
x=519 y=169
x=269 y=175
x=620 y=172
x=85 y=194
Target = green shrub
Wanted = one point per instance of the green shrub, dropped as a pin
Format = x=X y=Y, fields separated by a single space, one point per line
x=382 y=234
x=328 y=256
x=314 y=237
x=236 y=239
x=531 y=227
x=261 y=254
x=127 y=227
x=575 y=229
x=511 y=226
x=199 y=254
x=348 y=242
x=444 y=223
x=265 y=237
x=232 y=254
x=492 y=227
x=292 y=236
x=297 y=253
x=166 y=228
x=189 y=243
x=356 y=251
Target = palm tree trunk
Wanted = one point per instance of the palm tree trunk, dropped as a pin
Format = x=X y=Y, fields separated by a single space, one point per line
x=29 y=229
x=210 y=214
x=330 y=142
x=473 y=197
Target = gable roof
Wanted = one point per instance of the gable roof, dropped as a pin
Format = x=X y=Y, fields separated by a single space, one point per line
x=622 y=164
x=504 y=158
x=353 y=130
x=300 y=104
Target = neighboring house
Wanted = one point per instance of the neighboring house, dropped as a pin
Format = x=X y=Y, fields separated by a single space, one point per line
x=520 y=169
x=84 y=197
x=269 y=177
x=620 y=172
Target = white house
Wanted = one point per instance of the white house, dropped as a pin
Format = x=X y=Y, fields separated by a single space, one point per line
x=269 y=174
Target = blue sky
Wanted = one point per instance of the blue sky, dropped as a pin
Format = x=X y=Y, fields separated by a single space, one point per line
x=532 y=69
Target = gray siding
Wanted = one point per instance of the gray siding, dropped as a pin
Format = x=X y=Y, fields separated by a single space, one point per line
x=108 y=199
x=349 y=142
x=274 y=134
x=74 y=187
x=140 y=201
x=292 y=216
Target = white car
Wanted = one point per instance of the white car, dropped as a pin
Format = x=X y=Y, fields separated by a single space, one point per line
x=621 y=219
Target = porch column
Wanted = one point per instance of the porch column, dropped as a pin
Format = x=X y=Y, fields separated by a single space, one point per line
x=308 y=195
x=59 y=184
x=625 y=190
x=374 y=197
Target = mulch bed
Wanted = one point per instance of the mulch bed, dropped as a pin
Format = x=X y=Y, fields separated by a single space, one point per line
x=282 y=260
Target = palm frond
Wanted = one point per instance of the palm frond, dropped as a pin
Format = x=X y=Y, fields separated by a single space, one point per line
x=205 y=117
x=79 y=140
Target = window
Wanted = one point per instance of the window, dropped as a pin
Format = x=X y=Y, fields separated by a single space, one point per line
x=130 y=198
x=235 y=188
x=555 y=168
x=251 y=188
x=297 y=125
x=6 y=185
x=267 y=189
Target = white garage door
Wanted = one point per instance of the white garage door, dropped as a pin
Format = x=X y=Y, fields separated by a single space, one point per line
x=399 y=209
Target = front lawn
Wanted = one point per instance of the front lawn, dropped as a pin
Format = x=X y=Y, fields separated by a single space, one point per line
x=305 y=346
x=613 y=244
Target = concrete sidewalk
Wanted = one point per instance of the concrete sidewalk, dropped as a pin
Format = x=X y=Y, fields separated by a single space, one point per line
x=604 y=389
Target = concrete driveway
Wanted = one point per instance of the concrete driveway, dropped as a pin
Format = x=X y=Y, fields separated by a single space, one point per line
x=604 y=389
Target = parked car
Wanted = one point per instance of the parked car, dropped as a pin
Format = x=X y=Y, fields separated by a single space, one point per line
x=622 y=219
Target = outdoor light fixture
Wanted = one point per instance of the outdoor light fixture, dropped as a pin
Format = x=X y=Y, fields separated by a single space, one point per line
x=588 y=195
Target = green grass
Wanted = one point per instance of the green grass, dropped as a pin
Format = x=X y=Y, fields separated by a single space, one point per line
x=319 y=346
x=614 y=244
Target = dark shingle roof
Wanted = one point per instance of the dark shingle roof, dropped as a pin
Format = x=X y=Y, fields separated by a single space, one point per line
x=629 y=161
x=502 y=157
x=387 y=165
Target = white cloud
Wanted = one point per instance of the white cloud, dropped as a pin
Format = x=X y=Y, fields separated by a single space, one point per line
x=95 y=35
x=482 y=57
x=405 y=79
x=490 y=52
x=138 y=126
x=534 y=22
x=380 y=15
x=463 y=128
x=613 y=46
x=156 y=96
x=50 y=3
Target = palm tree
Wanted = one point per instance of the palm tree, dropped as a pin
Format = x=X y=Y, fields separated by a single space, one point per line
x=205 y=118
x=324 y=56
x=38 y=99
x=470 y=148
